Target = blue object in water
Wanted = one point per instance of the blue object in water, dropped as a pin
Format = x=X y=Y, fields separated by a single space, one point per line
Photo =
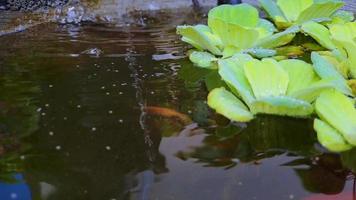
x=15 y=191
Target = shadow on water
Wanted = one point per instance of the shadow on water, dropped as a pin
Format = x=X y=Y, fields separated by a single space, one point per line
x=103 y=112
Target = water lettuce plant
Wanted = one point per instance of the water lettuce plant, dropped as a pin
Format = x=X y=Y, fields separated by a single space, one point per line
x=286 y=13
x=232 y=29
x=250 y=59
x=336 y=128
x=284 y=88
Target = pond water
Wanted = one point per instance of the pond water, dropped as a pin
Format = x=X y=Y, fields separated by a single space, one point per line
x=102 y=112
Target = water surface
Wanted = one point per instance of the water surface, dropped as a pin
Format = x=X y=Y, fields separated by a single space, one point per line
x=83 y=115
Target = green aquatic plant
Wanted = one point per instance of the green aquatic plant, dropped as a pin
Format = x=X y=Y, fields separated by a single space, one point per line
x=286 y=13
x=325 y=68
x=336 y=128
x=284 y=88
x=232 y=29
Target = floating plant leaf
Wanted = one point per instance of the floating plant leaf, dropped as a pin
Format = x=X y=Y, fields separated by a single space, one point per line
x=330 y=137
x=320 y=33
x=226 y=104
x=231 y=71
x=203 y=59
x=344 y=36
x=327 y=71
x=282 y=105
x=300 y=73
x=339 y=112
x=266 y=77
x=200 y=37
x=286 y=13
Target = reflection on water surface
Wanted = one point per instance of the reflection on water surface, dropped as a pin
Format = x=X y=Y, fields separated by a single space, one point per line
x=103 y=112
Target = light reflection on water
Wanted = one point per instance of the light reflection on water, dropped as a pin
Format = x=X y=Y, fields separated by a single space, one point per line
x=74 y=100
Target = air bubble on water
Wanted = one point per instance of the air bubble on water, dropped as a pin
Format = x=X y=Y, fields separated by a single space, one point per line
x=108 y=93
x=108 y=148
x=110 y=112
x=152 y=92
x=121 y=121
x=79 y=106
x=51 y=86
x=103 y=87
x=39 y=109
x=13 y=196
x=58 y=147
x=65 y=118
x=120 y=93
x=77 y=66
x=116 y=71
x=43 y=114
x=51 y=133
x=22 y=157
x=114 y=85
x=47 y=105
x=123 y=84
x=93 y=129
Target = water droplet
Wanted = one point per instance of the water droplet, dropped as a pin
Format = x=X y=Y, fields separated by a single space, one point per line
x=39 y=109
x=47 y=105
x=51 y=86
x=291 y=196
x=108 y=93
x=189 y=111
x=65 y=118
x=110 y=112
x=108 y=148
x=114 y=85
x=152 y=92
x=58 y=147
x=22 y=157
x=51 y=133
x=120 y=93
x=43 y=114
x=79 y=106
x=93 y=129
x=103 y=87
x=121 y=121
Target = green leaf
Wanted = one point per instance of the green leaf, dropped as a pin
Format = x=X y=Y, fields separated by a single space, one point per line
x=330 y=137
x=312 y=92
x=203 y=59
x=226 y=104
x=339 y=111
x=300 y=73
x=243 y=15
x=200 y=37
x=344 y=36
x=238 y=26
x=260 y=52
x=342 y=16
x=282 y=105
x=273 y=10
x=265 y=28
x=292 y=9
x=231 y=71
x=266 y=77
x=327 y=71
x=320 y=9
x=320 y=33
x=234 y=35
x=278 y=39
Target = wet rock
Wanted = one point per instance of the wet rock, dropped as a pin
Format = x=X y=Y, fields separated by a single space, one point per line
x=31 y=5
